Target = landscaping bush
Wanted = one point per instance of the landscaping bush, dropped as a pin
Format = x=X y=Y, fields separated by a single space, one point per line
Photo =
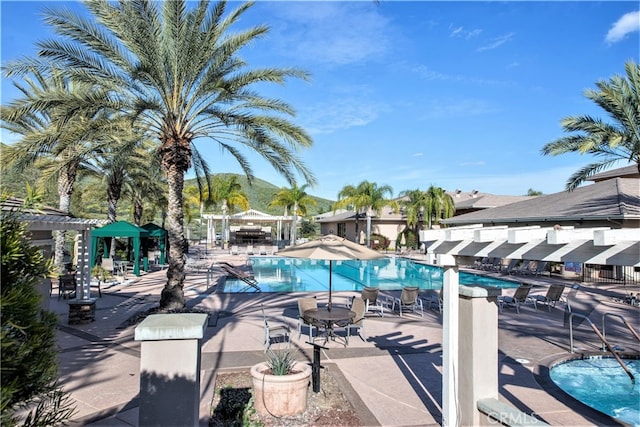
x=29 y=393
x=382 y=242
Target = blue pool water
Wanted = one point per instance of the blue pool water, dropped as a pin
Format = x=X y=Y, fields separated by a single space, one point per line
x=602 y=384
x=278 y=274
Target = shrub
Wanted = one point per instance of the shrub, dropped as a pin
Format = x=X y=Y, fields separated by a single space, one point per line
x=28 y=371
x=383 y=242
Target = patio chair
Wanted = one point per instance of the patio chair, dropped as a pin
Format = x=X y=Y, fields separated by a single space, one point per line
x=262 y=250
x=551 y=298
x=234 y=250
x=408 y=301
x=370 y=297
x=304 y=304
x=275 y=332
x=67 y=286
x=358 y=306
x=519 y=297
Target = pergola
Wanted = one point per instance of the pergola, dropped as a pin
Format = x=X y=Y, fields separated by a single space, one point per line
x=41 y=225
x=605 y=246
x=594 y=245
x=249 y=217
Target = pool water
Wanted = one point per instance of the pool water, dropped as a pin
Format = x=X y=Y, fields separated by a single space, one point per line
x=602 y=384
x=279 y=274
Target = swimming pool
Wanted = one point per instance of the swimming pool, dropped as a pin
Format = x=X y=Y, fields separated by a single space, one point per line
x=279 y=274
x=601 y=383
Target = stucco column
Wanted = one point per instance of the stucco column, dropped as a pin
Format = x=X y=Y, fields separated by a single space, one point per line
x=170 y=369
x=478 y=344
x=449 y=339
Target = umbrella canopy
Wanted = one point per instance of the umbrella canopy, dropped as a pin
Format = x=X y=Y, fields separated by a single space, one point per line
x=331 y=248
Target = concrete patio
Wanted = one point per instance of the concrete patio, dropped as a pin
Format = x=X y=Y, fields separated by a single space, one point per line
x=395 y=375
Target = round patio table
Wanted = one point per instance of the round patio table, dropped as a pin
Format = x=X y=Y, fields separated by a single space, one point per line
x=330 y=317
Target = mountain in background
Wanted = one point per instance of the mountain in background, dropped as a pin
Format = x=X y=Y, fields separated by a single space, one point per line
x=260 y=193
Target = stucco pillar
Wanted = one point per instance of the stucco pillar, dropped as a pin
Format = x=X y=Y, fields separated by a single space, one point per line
x=170 y=369
x=449 y=339
x=478 y=346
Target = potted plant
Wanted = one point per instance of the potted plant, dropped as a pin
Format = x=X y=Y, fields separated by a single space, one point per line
x=280 y=384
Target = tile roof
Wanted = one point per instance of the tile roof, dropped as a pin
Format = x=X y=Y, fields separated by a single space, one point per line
x=617 y=198
x=625 y=172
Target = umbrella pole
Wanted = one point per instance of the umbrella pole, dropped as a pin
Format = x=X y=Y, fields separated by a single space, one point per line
x=330 y=275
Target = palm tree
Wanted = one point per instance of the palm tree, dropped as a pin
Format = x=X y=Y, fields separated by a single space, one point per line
x=228 y=191
x=296 y=199
x=440 y=205
x=177 y=66
x=414 y=203
x=58 y=120
x=612 y=141
x=368 y=196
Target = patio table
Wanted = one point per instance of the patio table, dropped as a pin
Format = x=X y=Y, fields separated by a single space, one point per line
x=328 y=318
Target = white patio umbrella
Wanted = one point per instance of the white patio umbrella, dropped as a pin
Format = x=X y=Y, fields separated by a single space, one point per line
x=331 y=248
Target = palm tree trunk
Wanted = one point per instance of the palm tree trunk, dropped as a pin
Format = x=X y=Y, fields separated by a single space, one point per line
x=66 y=180
x=369 y=213
x=294 y=225
x=173 y=294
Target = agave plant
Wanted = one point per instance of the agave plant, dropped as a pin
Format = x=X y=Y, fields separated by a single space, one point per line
x=280 y=362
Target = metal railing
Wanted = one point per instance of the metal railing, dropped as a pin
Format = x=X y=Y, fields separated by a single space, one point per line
x=602 y=339
x=604 y=333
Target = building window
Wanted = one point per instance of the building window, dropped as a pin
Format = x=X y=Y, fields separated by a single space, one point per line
x=342 y=229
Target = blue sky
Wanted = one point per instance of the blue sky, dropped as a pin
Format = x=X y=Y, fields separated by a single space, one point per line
x=462 y=95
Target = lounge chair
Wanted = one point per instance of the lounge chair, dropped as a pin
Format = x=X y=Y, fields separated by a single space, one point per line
x=234 y=250
x=275 y=332
x=370 y=297
x=408 y=301
x=551 y=298
x=250 y=250
x=541 y=267
x=521 y=268
x=506 y=269
x=262 y=250
x=274 y=250
x=304 y=304
x=519 y=297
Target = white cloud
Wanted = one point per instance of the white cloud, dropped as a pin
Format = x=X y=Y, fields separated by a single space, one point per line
x=628 y=23
x=460 y=32
x=478 y=163
x=418 y=154
x=496 y=42
x=334 y=115
x=334 y=33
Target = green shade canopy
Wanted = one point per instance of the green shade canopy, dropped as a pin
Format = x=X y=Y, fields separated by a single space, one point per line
x=159 y=232
x=120 y=229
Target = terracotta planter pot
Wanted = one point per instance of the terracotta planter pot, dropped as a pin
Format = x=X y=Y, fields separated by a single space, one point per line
x=280 y=395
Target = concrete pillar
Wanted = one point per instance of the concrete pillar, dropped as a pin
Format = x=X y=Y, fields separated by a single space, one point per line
x=478 y=346
x=170 y=369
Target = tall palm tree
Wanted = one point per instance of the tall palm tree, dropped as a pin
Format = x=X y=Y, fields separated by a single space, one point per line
x=59 y=121
x=612 y=141
x=295 y=199
x=440 y=205
x=227 y=191
x=368 y=196
x=177 y=66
